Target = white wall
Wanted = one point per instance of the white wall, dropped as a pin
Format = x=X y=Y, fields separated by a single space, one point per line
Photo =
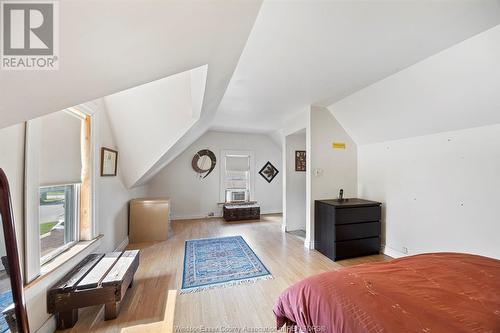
x=337 y=168
x=440 y=192
x=148 y=120
x=113 y=195
x=195 y=198
x=295 y=184
x=298 y=122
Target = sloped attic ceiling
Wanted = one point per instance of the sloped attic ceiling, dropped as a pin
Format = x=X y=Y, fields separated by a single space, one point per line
x=147 y=120
x=455 y=89
x=317 y=52
x=113 y=45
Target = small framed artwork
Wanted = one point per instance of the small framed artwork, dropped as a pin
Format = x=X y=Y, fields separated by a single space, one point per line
x=109 y=162
x=300 y=160
x=268 y=172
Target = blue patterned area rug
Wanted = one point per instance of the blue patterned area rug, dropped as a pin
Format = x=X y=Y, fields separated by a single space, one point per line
x=220 y=262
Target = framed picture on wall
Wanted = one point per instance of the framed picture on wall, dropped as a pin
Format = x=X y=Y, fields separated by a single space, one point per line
x=268 y=172
x=300 y=160
x=109 y=162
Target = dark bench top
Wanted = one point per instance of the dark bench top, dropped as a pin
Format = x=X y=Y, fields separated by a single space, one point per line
x=97 y=279
x=95 y=272
x=232 y=206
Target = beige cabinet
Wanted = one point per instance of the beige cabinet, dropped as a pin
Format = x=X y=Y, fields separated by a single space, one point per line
x=149 y=220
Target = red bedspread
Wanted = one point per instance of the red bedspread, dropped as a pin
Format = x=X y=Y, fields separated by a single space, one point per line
x=427 y=293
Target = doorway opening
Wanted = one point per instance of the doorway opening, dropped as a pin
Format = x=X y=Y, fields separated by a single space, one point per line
x=295 y=154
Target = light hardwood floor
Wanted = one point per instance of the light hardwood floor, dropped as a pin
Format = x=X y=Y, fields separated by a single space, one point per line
x=149 y=306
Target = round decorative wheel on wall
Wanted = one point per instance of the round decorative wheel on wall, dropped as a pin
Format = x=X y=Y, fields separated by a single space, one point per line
x=204 y=162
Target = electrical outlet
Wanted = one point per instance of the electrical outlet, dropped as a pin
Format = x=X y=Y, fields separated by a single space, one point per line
x=211 y=214
x=405 y=250
x=318 y=172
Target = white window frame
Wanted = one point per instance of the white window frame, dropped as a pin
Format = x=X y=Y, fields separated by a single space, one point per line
x=223 y=154
x=32 y=249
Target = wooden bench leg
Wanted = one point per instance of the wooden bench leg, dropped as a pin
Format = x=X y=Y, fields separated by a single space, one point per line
x=111 y=310
x=66 y=319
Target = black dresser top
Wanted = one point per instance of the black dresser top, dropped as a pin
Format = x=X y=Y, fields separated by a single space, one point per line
x=350 y=202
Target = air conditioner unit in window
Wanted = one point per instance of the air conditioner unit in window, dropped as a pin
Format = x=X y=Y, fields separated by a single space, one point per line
x=236 y=195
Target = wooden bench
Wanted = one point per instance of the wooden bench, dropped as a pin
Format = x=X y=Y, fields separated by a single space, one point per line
x=98 y=279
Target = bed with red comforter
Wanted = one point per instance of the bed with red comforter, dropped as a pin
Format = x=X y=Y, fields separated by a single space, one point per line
x=427 y=293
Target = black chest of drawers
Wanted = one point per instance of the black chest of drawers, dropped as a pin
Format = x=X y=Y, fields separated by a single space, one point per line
x=348 y=228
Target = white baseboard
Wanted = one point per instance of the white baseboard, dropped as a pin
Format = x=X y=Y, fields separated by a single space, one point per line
x=122 y=245
x=218 y=214
x=309 y=244
x=194 y=217
x=391 y=252
x=272 y=211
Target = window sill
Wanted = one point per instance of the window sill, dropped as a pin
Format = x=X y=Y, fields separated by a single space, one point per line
x=65 y=257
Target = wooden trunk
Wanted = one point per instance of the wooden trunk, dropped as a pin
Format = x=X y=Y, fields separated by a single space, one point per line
x=239 y=213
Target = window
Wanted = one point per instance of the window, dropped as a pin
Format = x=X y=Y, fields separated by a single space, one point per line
x=59 y=215
x=58 y=187
x=236 y=179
